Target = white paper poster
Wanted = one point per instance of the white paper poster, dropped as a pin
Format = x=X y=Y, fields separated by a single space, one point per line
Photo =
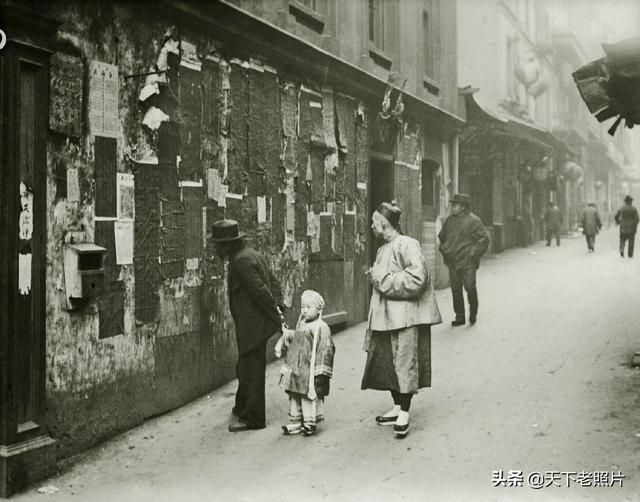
x=125 y=196
x=262 y=209
x=73 y=185
x=103 y=99
x=24 y=273
x=123 y=231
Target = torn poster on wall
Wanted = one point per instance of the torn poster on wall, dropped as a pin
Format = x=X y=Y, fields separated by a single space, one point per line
x=73 y=185
x=103 y=99
x=25 y=229
x=125 y=195
x=123 y=233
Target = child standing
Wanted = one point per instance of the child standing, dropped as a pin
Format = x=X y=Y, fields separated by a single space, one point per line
x=308 y=365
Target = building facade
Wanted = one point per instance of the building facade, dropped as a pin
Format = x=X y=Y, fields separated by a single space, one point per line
x=530 y=140
x=127 y=131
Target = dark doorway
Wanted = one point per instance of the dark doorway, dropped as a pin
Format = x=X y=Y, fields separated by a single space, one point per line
x=381 y=189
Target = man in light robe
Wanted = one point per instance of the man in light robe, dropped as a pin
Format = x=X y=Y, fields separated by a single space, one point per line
x=402 y=309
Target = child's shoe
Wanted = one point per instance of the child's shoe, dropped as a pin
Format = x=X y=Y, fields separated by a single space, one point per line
x=291 y=429
x=309 y=429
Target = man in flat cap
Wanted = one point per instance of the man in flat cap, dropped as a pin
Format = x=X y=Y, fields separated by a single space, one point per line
x=402 y=310
x=255 y=300
x=463 y=240
x=627 y=218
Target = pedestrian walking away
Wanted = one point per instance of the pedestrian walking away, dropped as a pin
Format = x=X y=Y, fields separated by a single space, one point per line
x=255 y=301
x=627 y=218
x=463 y=240
x=308 y=365
x=591 y=225
x=402 y=309
x=553 y=223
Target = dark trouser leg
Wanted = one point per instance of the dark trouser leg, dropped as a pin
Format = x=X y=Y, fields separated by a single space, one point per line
x=557 y=232
x=549 y=237
x=402 y=400
x=469 y=279
x=250 y=402
x=588 y=238
x=592 y=242
x=623 y=239
x=456 y=280
x=632 y=239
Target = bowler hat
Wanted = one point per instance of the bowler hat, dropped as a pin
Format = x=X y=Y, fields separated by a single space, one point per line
x=226 y=230
x=628 y=198
x=461 y=198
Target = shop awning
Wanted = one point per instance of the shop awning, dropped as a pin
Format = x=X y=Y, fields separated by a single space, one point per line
x=504 y=122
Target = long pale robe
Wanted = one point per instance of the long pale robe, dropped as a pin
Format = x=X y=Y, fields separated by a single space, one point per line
x=402 y=308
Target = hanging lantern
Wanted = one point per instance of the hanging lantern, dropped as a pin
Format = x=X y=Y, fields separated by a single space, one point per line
x=598 y=184
x=537 y=88
x=528 y=72
x=541 y=173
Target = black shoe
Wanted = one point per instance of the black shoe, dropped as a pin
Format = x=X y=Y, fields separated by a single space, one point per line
x=473 y=319
x=457 y=322
x=548 y=244
x=241 y=427
x=308 y=430
x=401 y=430
x=380 y=420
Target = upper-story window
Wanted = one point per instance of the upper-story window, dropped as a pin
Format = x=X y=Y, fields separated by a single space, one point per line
x=377 y=23
x=430 y=36
x=309 y=12
x=511 y=65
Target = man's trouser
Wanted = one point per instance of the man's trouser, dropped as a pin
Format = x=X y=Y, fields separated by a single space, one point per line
x=591 y=241
x=550 y=233
x=624 y=238
x=250 y=402
x=466 y=278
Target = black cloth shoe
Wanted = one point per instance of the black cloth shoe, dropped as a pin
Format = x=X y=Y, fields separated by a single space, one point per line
x=380 y=420
x=401 y=430
x=457 y=322
x=473 y=319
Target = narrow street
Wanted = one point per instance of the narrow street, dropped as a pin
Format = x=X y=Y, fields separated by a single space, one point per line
x=542 y=382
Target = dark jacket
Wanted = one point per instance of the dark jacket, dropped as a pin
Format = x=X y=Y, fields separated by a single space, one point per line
x=463 y=240
x=553 y=218
x=254 y=294
x=627 y=218
x=590 y=221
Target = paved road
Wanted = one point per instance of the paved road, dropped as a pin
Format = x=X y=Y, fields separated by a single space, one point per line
x=542 y=382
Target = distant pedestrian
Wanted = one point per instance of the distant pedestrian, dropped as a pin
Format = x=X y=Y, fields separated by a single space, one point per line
x=402 y=309
x=463 y=240
x=255 y=301
x=627 y=218
x=553 y=223
x=591 y=225
x=308 y=365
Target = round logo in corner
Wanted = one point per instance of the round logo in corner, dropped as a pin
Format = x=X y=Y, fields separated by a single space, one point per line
x=3 y=39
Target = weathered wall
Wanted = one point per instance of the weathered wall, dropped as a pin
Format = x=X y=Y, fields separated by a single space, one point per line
x=242 y=140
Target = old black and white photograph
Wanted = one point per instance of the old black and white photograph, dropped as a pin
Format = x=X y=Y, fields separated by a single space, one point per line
x=319 y=250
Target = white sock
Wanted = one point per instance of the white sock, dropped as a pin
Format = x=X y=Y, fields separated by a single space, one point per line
x=403 y=418
x=393 y=412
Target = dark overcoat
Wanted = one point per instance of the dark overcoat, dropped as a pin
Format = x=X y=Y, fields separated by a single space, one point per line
x=254 y=295
x=463 y=240
x=590 y=220
x=627 y=218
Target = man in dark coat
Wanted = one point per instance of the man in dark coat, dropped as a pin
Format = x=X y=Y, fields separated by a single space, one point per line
x=627 y=218
x=591 y=225
x=463 y=240
x=553 y=222
x=255 y=300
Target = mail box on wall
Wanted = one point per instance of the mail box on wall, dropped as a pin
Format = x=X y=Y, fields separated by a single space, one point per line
x=83 y=270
